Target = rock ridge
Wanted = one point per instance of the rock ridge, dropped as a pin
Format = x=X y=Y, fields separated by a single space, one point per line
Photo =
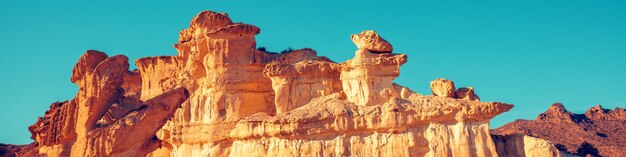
x=597 y=132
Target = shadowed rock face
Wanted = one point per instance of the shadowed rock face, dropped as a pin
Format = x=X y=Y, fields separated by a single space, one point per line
x=220 y=96
x=29 y=150
x=598 y=131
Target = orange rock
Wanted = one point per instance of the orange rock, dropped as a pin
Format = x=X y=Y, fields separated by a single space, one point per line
x=329 y=126
x=370 y=40
x=443 y=87
x=103 y=113
x=366 y=75
x=467 y=93
x=132 y=84
x=523 y=145
x=220 y=96
x=296 y=84
x=597 y=132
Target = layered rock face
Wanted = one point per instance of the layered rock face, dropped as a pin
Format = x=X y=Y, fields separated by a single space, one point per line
x=247 y=102
x=101 y=120
x=403 y=126
x=220 y=96
x=518 y=145
x=367 y=78
x=296 y=83
x=597 y=132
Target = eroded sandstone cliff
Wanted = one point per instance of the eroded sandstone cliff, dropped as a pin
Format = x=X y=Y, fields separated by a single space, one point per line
x=246 y=102
x=220 y=96
x=101 y=120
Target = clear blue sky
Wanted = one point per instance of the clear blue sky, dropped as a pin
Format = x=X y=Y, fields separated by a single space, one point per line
x=530 y=53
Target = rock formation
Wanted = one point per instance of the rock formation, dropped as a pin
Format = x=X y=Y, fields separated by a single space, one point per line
x=248 y=102
x=101 y=120
x=368 y=77
x=371 y=41
x=296 y=83
x=466 y=93
x=29 y=150
x=443 y=87
x=597 y=132
x=518 y=145
x=220 y=96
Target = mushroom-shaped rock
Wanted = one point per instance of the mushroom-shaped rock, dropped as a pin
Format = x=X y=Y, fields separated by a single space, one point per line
x=370 y=40
x=467 y=93
x=442 y=87
x=371 y=71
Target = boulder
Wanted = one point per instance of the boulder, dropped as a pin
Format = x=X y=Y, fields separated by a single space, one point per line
x=443 y=88
x=370 y=40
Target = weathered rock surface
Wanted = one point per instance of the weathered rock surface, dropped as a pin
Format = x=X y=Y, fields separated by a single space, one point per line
x=368 y=77
x=598 y=132
x=409 y=126
x=105 y=118
x=443 y=88
x=247 y=102
x=370 y=40
x=466 y=93
x=295 y=84
x=220 y=96
x=517 y=145
x=29 y=150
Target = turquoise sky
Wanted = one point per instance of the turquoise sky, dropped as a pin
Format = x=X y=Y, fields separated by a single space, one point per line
x=530 y=53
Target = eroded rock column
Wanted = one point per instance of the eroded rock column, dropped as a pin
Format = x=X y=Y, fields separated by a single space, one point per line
x=296 y=84
x=372 y=70
x=219 y=64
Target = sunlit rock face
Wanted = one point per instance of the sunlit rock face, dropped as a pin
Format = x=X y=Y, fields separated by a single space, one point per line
x=220 y=96
x=518 y=145
x=443 y=88
x=367 y=78
x=597 y=132
x=370 y=40
x=105 y=118
x=247 y=102
x=295 y=84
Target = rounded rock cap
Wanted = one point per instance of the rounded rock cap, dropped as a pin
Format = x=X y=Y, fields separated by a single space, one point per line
x=370 y=40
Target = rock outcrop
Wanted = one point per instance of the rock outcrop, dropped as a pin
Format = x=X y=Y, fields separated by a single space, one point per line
x=443 y=87
x=220 y=96
x=518 y=145
x=466 y=93
x=248 y=102
x=408 y=126
x=295 y=84
x=598 y=132
x=371 y=41
x=103 y=119
x=29 y=150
